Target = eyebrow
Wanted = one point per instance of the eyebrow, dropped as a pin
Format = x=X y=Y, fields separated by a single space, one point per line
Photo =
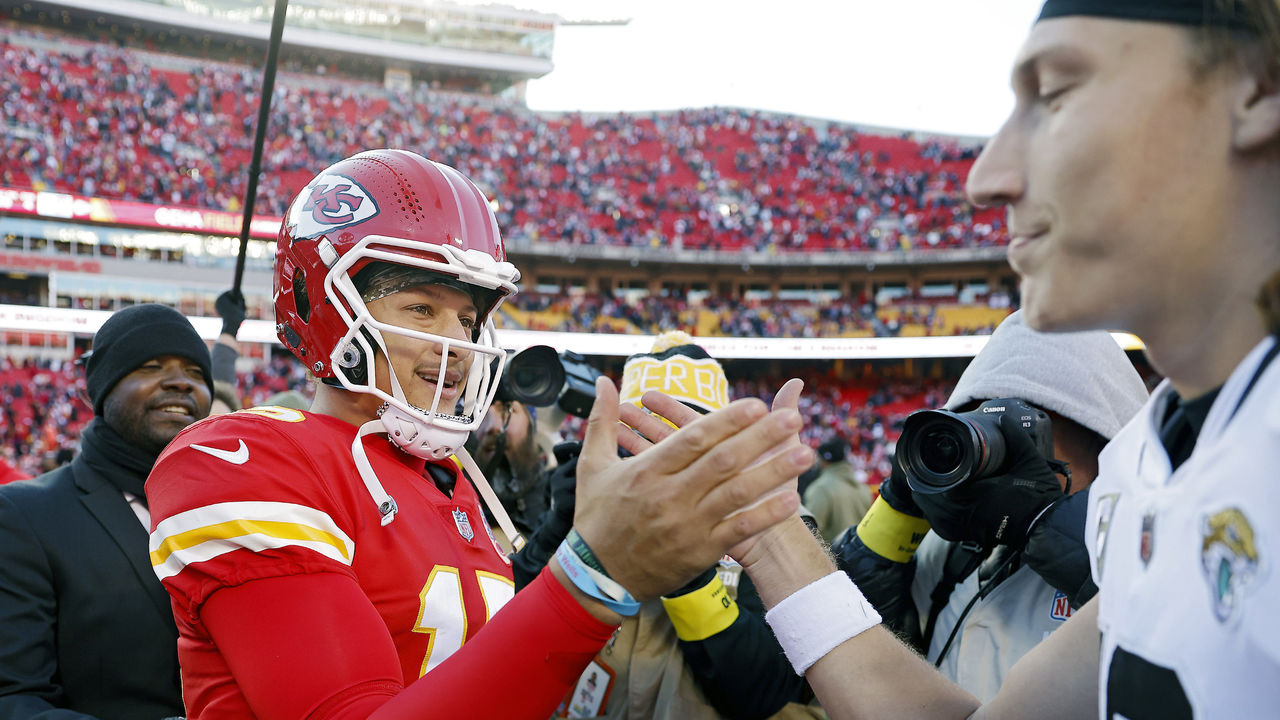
x=433 y=291
x=1027 y=68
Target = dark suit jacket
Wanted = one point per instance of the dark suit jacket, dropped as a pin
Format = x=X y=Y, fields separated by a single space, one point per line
x=84 y=624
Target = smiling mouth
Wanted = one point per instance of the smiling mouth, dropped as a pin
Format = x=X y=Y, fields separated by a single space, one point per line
x=175 y=410
x=449 y=387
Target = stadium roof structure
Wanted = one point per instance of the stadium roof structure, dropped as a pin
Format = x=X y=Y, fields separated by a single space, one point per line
x=491 y=38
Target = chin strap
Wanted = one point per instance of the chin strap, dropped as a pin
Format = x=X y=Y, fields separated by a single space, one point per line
x=490 y=499
x=386 y=504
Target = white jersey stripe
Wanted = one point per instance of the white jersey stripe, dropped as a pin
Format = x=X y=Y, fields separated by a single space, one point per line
x=207 y=532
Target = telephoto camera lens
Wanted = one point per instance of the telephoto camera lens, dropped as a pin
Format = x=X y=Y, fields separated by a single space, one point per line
x=940 y=450
x=534 y=376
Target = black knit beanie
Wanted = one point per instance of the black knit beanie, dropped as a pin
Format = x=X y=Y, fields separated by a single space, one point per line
x=135 y=335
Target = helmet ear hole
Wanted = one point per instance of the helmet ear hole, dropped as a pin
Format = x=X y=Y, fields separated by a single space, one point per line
x=351 y=362
x=301 y=301
x=351 y=356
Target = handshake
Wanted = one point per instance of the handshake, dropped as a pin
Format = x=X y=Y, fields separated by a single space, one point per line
x=691 y=491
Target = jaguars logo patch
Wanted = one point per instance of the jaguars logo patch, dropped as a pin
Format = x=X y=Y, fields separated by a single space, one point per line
x=1229 y=558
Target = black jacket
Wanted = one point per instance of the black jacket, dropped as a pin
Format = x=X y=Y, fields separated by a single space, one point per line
x=84 y=623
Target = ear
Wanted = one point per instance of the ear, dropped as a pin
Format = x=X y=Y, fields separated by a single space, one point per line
x=1256 y=112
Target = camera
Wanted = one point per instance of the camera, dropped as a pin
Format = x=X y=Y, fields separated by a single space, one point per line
x=540 y=377
x=940 y=450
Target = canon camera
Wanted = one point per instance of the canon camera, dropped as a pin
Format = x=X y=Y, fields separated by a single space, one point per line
x=540 y=377
x=939 y=450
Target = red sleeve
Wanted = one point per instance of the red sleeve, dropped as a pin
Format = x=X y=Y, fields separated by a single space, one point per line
x=323 y=652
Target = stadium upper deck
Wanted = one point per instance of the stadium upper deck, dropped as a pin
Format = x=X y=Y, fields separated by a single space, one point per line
x=716 y=203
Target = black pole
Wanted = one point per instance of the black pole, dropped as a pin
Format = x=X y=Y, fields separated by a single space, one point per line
x=260 y=136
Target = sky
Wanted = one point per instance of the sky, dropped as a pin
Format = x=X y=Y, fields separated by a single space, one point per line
x=933 y=65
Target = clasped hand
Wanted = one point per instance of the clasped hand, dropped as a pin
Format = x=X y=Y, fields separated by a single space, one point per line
x=686 y=496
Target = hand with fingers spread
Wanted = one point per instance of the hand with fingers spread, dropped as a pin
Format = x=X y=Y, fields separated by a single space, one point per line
x=648 y=428
x=659 y=518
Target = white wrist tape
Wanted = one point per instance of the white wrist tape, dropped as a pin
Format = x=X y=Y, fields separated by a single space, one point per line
x=813 y=620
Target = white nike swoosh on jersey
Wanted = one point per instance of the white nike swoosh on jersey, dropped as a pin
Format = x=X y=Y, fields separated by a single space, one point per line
x=239 y=456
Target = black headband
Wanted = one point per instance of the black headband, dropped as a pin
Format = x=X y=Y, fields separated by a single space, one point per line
x=1196 y=13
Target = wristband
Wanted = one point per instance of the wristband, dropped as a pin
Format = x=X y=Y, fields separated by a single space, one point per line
x=699 y=614
x=813 y=620
x=595 y=583
x=890 y=533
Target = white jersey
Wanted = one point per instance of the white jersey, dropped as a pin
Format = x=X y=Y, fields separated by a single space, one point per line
x=1185 y=561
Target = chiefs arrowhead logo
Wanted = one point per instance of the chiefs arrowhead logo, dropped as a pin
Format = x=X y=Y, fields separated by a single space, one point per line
x=330 y=202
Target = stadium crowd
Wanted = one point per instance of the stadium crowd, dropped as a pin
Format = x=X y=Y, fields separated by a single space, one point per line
x=43 y=410
x=116 y=122
x=734 y=317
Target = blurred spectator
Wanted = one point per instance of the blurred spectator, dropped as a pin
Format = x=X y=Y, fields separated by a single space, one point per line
x=225 y=398
x=837 y=497
x=9 y=473
x=226 y=349
x=291 y=399
x=505 y=449
x=77 y=592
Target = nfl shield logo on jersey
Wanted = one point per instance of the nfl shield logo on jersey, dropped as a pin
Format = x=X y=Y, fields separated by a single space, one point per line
x=1147 y=543
x=1060 y=609
x=464 y=525
x=1229 y=558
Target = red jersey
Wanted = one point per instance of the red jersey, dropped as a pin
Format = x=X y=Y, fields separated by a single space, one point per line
x=269 y=493
x=10 y=474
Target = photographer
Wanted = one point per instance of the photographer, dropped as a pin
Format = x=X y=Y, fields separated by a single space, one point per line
x=505 y=449
x=703 y=651
x=999 y=571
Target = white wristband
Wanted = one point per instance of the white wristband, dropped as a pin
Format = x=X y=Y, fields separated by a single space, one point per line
x=813 y=620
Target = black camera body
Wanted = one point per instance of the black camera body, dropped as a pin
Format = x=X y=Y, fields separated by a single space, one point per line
x=540 y=377
x=940 y=450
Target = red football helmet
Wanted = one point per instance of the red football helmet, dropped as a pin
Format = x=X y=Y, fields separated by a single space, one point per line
x=391 y=206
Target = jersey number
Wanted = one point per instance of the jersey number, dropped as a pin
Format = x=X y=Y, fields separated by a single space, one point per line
x=1138 y=689
x=442 y=614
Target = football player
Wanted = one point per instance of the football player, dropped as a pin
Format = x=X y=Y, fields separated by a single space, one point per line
x=1139 y=167
x=336 y=563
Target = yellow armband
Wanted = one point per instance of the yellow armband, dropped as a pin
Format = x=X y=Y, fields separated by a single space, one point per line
x=891 y=534
x=702 y=613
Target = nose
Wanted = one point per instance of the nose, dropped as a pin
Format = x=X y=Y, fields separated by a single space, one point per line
x=176 y=376
x=455 y=330
x=997 y=177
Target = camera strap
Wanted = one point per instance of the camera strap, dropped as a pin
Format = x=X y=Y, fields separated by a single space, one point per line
x=962 y=559
x=1004 y=567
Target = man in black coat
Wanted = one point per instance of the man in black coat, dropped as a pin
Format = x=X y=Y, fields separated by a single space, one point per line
x=86 y=629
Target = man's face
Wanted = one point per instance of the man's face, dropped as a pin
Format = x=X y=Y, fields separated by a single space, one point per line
x=152 y=404
x=433 y=309
x=520 y=444
x=1114 y=167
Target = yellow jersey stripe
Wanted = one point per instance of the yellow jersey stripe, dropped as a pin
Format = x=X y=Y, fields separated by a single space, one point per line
x=237 y=528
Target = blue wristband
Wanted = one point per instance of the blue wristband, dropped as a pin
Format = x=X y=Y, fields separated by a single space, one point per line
x=587 y=580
